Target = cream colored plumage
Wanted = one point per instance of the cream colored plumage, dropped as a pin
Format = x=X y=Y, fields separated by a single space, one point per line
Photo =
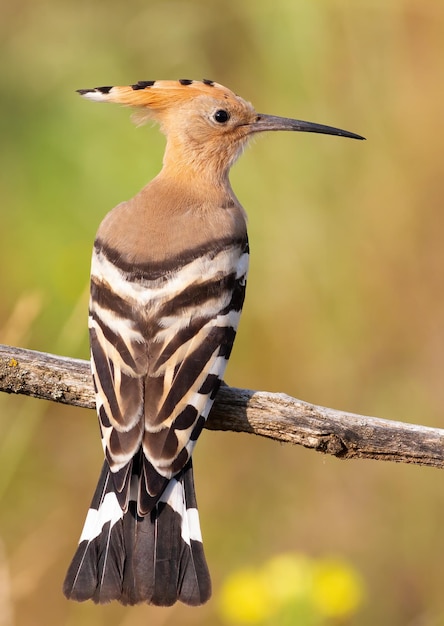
x=168 y=279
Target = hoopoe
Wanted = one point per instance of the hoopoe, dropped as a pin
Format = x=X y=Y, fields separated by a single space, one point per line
x=168 y=280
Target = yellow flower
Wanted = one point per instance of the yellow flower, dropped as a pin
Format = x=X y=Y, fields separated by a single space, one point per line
x=338 y=590
x=245 y=598
x=291 y=588
x=288 y=577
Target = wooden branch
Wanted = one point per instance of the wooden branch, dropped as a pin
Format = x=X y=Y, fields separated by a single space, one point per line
x=273 y=415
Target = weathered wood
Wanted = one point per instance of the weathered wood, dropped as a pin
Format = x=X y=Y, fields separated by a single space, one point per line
x=273 y=415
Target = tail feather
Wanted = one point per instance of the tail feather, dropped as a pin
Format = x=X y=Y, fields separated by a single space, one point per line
x=157 y=558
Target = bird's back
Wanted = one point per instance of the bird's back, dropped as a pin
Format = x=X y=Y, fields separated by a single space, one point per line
x=167 y=288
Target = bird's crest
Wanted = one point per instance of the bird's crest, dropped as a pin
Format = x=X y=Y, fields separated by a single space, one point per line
x=157 y=95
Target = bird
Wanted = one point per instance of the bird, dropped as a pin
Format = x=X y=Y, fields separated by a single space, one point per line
x=168 y=278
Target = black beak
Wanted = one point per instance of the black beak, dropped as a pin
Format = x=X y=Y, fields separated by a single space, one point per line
x=274 y=122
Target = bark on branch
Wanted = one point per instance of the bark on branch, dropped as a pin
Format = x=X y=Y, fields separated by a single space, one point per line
x=273 y=415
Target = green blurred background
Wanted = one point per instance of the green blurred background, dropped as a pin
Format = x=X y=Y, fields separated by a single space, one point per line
x=345 y=305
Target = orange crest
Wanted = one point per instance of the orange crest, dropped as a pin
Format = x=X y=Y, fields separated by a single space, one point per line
x=157 y=94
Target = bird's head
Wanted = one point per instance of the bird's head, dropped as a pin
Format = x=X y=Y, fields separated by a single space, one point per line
x=206 y=124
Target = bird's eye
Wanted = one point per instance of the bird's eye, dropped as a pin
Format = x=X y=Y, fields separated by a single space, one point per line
x=221 y=116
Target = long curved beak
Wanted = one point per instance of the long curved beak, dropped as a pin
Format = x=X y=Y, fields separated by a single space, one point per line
x=273 y=122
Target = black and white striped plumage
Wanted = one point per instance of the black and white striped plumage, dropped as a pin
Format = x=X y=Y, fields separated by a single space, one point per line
x=160 y=336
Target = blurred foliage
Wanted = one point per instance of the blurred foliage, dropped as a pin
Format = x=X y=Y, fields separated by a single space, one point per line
x=292 y=589
x=345 y=304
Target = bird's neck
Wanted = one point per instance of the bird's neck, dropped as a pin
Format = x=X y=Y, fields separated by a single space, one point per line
x=200 y=167
x=195 y=187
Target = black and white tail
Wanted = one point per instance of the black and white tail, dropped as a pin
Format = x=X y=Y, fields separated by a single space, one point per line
x=157 y=558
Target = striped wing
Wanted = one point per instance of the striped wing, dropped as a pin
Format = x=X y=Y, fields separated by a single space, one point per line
x=161 y=335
